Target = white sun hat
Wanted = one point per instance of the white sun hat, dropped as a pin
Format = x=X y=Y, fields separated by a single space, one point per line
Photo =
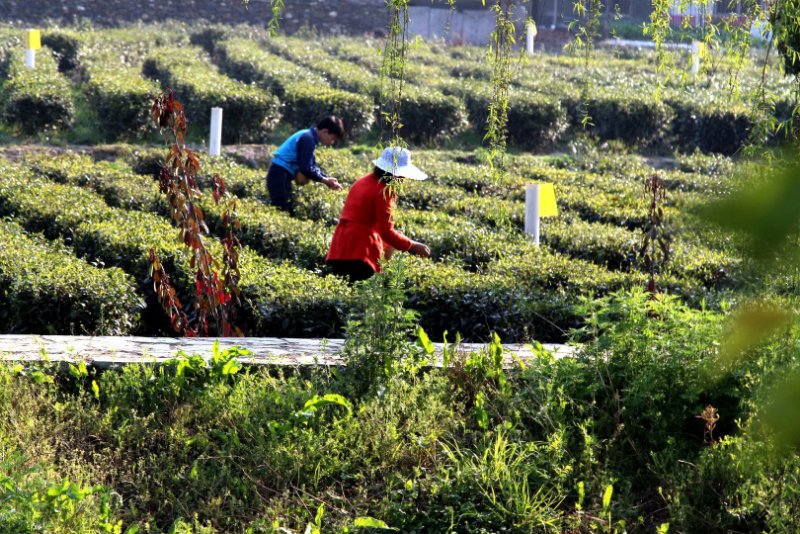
x=397 y=162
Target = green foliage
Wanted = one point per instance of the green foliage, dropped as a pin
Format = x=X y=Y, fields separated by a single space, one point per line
x=636 y=120
x=29 y=502
x=44 y=288
x=660 y=388
x=767 y=197
x=426 y=114
x=392 y=73
x=250 y=112
x=711 y=128
x=786 y=32
x=280 y=298
x=305 y=102
x=500 y=58
x=121 y=97
x=587 y=442
x=66 y=46
x=472 y=221
x=534 y=122
x=734 y=95
x=505 y=476
x=37 y=99
x=378 y=345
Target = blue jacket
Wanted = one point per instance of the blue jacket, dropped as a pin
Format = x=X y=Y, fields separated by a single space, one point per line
x=297 y=154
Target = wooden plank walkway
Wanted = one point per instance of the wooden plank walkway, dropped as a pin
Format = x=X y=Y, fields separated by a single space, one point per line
x=115 y=351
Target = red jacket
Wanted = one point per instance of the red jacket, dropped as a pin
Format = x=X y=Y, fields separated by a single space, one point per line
x=366 y=224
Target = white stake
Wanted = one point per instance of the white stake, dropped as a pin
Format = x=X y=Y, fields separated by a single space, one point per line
x=215 y=142
x=532 y=212
x=695 y=57
x=530 y=37
x=30 y=58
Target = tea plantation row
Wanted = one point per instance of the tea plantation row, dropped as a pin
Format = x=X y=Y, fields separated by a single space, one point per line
x=261 y=81
x=104 y=216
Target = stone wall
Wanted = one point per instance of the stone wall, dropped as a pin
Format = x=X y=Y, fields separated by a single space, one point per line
x=331 y=16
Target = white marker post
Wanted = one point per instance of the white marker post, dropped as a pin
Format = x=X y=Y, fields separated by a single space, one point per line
x=532 y=212
x=530 y=36
x=695 y=57
x=33 y=42
x=215 y=141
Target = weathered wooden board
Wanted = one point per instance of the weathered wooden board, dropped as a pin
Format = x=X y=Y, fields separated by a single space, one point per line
x=113 y=351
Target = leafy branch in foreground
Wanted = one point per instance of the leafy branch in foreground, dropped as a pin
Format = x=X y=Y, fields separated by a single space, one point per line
x=500 y=57
x=216 y=297
x=392 y=73
x=590 y=12
x=654 y=251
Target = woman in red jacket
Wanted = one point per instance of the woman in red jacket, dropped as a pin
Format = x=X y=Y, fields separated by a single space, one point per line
x=366 y=231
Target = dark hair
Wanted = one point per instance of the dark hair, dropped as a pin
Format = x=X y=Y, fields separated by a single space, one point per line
x=333 y=124
x=384 y=176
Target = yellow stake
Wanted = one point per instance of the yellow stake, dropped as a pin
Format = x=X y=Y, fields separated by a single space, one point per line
x=547 y=201
x=34 y=39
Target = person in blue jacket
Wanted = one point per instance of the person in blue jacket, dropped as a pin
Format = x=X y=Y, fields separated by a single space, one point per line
x=294 y=161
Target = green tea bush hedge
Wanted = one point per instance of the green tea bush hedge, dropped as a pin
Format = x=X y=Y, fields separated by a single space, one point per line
x=66 y=46
x=114 y=236
x=305 y=101
x=36 y=99
x=454 y=239
x=534 y=121
x=634 y=119
x=711 y=127
x=120 y=96
x=248 y=112
x=275 y=234
x=452 y=300
x=473 y=223
x=284 y=300
x=114 y=181
x=426 y=114
x=45 y=289
x=278 y=299
x=265 y=229
x=10 y=39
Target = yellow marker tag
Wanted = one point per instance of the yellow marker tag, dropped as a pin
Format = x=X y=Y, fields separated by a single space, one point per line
x=547 y=201
x=34 y=40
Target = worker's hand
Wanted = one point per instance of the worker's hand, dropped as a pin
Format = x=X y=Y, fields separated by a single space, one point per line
x=300 y=178
x=332 y=183
x=418 y=249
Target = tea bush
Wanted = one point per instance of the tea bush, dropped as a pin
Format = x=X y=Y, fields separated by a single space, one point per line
x=426 y=114
x=534 y=121
x=715 y=127
x=66 y=45
x=120 y=95
x=304 y=101
x=473 y=225
x=250 y=112
x=36 y=99
x=45 y=289
x=315 y=77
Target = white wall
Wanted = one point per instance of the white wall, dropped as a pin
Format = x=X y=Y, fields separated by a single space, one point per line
x=469 y=26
